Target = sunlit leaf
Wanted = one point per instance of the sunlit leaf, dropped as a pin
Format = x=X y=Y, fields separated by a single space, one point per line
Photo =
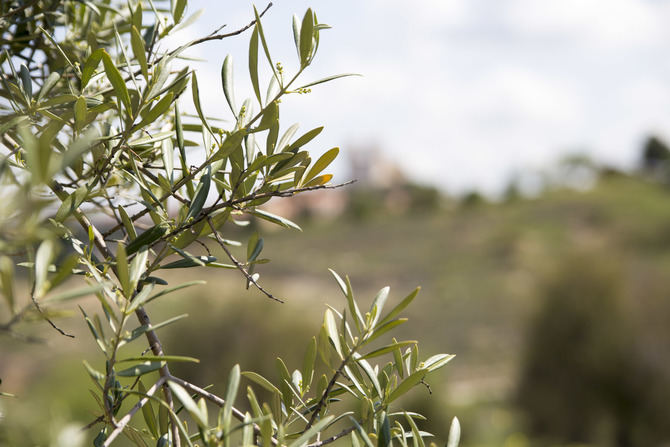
x=139 y=51
x=306 y=37
x=227 y=82
x=253 y=63
x=116 y=80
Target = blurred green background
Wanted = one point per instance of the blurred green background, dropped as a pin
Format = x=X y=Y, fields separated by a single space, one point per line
x=556 y=305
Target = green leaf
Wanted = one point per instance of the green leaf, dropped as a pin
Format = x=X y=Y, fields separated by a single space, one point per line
x=198 y=415
x=227 y=82
x=269 y=118
x=378 y=305
x=136 y=16
x=306 y=37
x=26 y=81
x=231 y=394
x=304 y=139
x=148 y=413
x=156 y=112
x=160 y=358
x=384 y=432
x=122 y=270
x=201 y=193
x=454 y=433
x=400 y=307
x=436 y=362
x=221 y=265
x=369 y=372
x=140 y=298
x=43 y=257
x=308 y=363
x=388 y=348
x=196 y=101
x=261 y=34
x=349 y=293
x=138 y=266
x=147 y=238
x=416 y=434
x=381 y=329
x=7 y=279
x=48 y=85
x=284 y=140
x=36 y=159
x=328 y=79
x=253 y=63
x=230 y=144
x=167 y=153
x=331 y=330
x=71 y=203
x=253 y=402
x=361 y=431
x=93 y=373
x=116 y=80
x=254 y=247
x=397 y=361
x=150 y=139
x=178 y=10
x=140 y=369
x=127 y=223
x=262 y=381
x=175 y=288
x=191 y=261
x=141 y=330
x=284 y=384
x=295 y=22
x=266 y=215
x=313 y=430
x=322 y=163
x=98 y=339
x=139 y=51
x=404 y=386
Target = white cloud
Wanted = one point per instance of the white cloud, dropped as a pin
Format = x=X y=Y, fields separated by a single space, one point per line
x=463 y=92
x=610 y=24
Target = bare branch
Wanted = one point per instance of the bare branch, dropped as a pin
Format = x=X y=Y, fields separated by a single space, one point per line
x=53 y=325
x=239 y=266
x=326 y=392
x=125 y=419
x=215 y=36
x=157 y=349
x=333 y=438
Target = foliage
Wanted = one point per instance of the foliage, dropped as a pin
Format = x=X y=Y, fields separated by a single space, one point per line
x=100 y=187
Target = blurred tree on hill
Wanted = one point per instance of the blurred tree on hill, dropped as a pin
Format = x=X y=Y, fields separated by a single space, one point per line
x=584 y=377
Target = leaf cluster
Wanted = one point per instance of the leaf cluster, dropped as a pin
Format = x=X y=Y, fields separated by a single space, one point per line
x=108 y=184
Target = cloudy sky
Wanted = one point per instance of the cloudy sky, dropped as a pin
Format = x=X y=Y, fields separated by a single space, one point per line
x=465 y=93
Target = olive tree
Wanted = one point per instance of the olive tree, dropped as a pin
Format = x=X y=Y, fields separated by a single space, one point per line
x=106 y=185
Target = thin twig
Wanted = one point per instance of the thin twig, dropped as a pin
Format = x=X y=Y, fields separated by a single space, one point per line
x=100 y=418
x=333 y=438
x=53 y=325
x=19 y=9
x=239 y=266
x=326 y=392
x=125 y=419
x=215 y=36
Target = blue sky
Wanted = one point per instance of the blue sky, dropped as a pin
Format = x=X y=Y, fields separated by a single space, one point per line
x=465 y=93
